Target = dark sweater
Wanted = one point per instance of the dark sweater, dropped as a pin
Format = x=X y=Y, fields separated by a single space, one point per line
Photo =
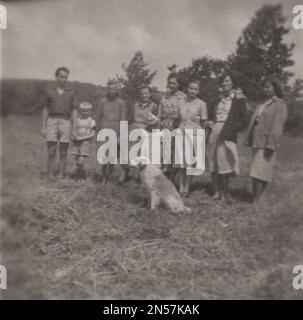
x=236 y=121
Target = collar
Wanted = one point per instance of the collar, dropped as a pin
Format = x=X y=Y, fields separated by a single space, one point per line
x=230 y=96
x=64 y=89
x=176 y=94
x=144 y=105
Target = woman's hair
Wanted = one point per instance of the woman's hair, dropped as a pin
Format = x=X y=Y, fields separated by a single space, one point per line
x=233 y=76
x=65 y=69
x=143 y=87
x=278 y=87
x=195 y=81
x=174 y=75
x=112 y=82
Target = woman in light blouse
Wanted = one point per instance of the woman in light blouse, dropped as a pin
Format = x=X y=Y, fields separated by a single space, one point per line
x=193 y=115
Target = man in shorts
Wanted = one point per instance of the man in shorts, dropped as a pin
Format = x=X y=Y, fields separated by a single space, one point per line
x=58 y=113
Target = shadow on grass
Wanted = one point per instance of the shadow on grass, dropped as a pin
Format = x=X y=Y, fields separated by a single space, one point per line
x=241 y=194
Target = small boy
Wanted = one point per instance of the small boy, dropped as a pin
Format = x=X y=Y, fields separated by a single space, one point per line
x=83 y=132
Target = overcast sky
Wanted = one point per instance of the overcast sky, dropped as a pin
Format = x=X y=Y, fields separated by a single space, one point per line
x=93 y=37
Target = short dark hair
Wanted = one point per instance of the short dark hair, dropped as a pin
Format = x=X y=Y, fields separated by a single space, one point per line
x=145 y=87
x=174 y=75
x=194 y=80
x=65 y=69
x=233 y=76
x=277 y=85
x=112 y=82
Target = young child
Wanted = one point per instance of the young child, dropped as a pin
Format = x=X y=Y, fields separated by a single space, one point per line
x=83 y=132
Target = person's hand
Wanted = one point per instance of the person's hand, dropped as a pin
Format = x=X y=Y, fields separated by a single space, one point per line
x=73 y=135
x=210 y=124
x=43 y=132
x=268 y=153
x=152 y=119
x=240 y=94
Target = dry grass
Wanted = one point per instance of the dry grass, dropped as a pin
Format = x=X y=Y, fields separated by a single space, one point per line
x=68 y=240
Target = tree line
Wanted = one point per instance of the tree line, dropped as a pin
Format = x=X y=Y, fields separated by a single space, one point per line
x=260 y=51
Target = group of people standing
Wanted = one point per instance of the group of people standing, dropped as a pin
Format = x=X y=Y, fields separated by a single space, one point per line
x=65 y=119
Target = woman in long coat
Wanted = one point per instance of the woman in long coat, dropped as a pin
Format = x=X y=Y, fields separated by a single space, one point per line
x=264 y=135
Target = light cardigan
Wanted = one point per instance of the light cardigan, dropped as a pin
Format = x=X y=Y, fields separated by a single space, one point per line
x=267 y=131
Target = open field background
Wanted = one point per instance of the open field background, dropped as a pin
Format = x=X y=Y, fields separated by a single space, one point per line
x=68 y=240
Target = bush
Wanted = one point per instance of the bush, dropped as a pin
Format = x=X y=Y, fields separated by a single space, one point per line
x=294 y=123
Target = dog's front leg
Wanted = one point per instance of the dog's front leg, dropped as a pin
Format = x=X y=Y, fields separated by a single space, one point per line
x=154 y=201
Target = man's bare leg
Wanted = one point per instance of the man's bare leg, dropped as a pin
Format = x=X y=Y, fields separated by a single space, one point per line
x=62 y=159
x=51 y=158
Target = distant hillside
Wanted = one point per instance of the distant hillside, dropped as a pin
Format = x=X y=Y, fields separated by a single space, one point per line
x=25 y=96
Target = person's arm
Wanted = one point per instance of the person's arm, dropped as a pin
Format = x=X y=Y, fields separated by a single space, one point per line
x=153 y=120
x=155 y=109
x=74 y=106
x=275 y=132
x=87 y=137
x=45 y=113
x=44 y=121
x=212 y=115
x=243 y=115
x=204 y=116
x=98 y=114
x=74 y=124
x=131 y=117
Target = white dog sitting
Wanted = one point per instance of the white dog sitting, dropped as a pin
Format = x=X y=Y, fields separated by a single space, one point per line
x=159 y=188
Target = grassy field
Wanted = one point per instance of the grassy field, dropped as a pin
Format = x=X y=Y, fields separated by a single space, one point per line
x=68 y=240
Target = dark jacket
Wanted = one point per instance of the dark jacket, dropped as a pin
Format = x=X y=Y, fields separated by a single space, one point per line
x=236 y=121
x=267 y=130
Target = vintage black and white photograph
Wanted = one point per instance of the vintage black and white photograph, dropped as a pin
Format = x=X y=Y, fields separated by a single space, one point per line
x=151 y=150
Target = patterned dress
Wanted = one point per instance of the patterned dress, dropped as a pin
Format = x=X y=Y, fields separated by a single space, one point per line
x=169 y=116
x=169 y=110
x=141 y=115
